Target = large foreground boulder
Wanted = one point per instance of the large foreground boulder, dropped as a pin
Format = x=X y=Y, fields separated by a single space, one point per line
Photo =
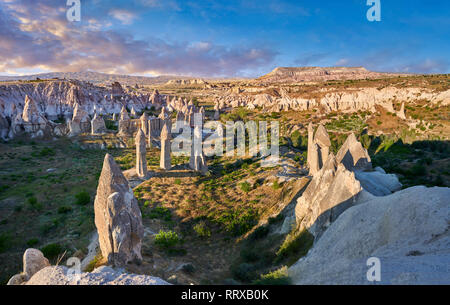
x=117 y=216
x=33 y=261
x=408 y=231
x=60 y=275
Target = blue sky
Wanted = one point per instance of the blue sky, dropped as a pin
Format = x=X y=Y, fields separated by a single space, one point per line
x=222 y=38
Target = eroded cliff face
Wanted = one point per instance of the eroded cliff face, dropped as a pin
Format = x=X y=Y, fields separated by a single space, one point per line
x=361 y=99
x=58 y=99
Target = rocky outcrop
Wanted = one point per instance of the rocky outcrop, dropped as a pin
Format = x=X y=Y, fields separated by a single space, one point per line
x=313 y=152
x=165 y=160
x=318 y=148
x=408 y=231
x=331 y=191
x=80 y=122
x=145 y=124
x=116 y=88
x=141 y=160
x=348 y=101
x=339 y=183
x=197 y=161
x=60 y=275
x=117 y=216
x=309 y=74
x=353 y=155
x=33 y=261
x=98 y=125
x=31 y=121
x=125 y=125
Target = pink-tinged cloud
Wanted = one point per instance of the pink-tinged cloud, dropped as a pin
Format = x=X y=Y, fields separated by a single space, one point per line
x=52 y=43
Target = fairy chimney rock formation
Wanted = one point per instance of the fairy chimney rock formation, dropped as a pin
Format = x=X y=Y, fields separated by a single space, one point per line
x=141 y=161
x=133 y=112
x=144 y=124
x=124 y=122
x=117 y=217
x=116 y=88
x=331 y=191
x=322 y=139
x=197 y=161
x=353 y=155
x=165 y=161
x=98 y=125
x=80 y=121
x=401 y=114
x=313 y=152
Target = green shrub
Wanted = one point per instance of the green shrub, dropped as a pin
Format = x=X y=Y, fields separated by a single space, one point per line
x=418 y=170
x=160 y=213
x=32 y=201
x=64 y=209
x=202 y=230
x=46 y=151
x=82 y=198
x=245 y=187
x=166 y=239
x=276 y=185
x=177 y=181
x=51 y=251
x=244 y=272
x=250 y=255
x=32 y=242
x=277 y=277
x=5 y=242
x=295 y=246
x=277 y=219
x=260 y=232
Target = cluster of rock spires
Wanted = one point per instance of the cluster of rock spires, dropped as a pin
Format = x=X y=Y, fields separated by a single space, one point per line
x=355 y=213
x=337 y=180
x=31 y=108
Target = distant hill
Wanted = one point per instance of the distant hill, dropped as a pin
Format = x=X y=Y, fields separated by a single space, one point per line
x=99 y=78
x=311 y=74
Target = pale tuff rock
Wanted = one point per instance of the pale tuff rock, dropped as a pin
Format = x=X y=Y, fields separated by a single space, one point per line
x=80 y=122
x=197 y=160
x=125 y=126
x=401 y=114
x=30 y=121
x=216 y=112
x=98 y=125
x=359 y=99
x=322 y=140
x=133 y=112
x=33 y=261
x=155 y=99
x=165 y=161
x=407 y=231
x=144 y=124
x=313 y=152
x=141 y=161
x=124 y=114
x=353 y=155
x=61 y=275
x=117 y=216
x=117 y=88
x=331 y=191
x=378 y=183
